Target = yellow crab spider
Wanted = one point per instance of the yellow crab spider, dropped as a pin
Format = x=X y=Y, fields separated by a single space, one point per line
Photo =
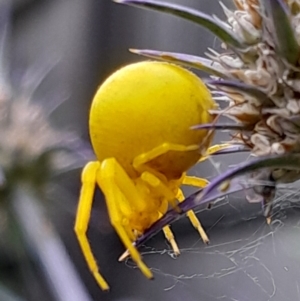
x=140 y=122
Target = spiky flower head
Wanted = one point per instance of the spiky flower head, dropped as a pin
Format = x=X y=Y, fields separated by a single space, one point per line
x=258 y=74
x=31 y=147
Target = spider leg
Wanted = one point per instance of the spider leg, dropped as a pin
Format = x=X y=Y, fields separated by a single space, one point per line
x=159 y=185
x=140 y=160
x=88 y=179
x=213 y=149
x=197 y=182
x=121 y=196
x=149 y=176
x=171 y=239
x=169 y=236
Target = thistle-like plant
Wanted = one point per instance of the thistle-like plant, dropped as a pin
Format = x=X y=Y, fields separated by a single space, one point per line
x=32 y=152
x=258 y=74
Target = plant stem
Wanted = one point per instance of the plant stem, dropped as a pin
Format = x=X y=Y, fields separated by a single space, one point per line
x=7 y=295
x=46 y=246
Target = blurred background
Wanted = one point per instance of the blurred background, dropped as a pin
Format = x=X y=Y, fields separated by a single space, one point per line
x=63 y=50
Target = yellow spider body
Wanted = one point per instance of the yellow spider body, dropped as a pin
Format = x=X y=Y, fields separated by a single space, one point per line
x=140 y=115
x=140 y=123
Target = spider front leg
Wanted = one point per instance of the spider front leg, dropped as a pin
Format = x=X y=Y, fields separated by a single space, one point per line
x=121 y=197
x=116 y=185
x=88 y=178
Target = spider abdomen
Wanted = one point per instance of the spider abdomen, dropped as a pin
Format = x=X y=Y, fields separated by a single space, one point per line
x=145 y=105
